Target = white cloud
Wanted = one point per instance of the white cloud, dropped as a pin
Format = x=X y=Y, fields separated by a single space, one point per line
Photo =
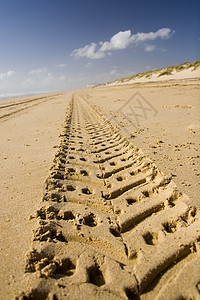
x=38 y=71
x=11 y=73
x=10 y=95
x=7 y=74
x=42 y=79
x=149 y=48
x=113 y=72
x=62 y=65
x=63 y=77
x=2 y=76
x=111 y=75
x=47 y=82
x=89 y=52
x=163 y=33
x=28 y=81
x=76 y=78
x=119 y=41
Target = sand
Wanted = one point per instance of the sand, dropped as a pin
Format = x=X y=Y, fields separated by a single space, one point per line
x=28 y=139
x=171 y=137
x=156 y=75
x=114 y=219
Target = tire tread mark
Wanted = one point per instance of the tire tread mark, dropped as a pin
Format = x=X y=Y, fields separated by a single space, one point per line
x=107 y=234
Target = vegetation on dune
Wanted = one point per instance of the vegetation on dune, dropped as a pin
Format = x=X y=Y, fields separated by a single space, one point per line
x=167 y=71
x=140 y=75
x=187 y=65
x=183 y=66
x=163 y=71
x=126 y=78
x=196 y=64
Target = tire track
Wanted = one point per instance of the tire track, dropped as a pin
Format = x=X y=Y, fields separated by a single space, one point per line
x=111 y=225
x=9 y=110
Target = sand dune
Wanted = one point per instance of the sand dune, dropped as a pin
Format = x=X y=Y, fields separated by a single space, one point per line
x=182 y=71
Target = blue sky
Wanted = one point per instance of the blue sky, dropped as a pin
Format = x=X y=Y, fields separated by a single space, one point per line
x=57 y=45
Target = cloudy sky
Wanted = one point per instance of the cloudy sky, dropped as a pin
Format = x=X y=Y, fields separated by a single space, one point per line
x=57 y=45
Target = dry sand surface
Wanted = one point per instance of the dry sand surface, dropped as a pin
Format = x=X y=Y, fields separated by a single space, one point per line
x=118 y=214
x=169 y=133
x=28 y=138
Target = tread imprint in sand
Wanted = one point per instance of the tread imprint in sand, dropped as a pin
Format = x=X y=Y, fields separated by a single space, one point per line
x=111 y=225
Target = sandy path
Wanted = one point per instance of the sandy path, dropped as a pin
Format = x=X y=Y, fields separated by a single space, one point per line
x=111 y=225
x=27 y=140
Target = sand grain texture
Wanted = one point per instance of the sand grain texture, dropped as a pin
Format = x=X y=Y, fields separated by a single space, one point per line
x=111 y=224
x=27 y=141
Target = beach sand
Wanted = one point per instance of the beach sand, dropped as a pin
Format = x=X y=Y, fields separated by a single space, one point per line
x=171 y=137
x=28 y=141
x=161 y=119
